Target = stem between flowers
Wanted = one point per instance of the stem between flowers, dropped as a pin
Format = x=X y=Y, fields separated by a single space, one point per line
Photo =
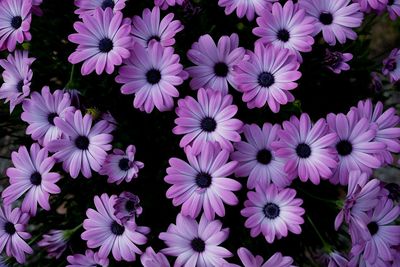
x=326 y=247
x=70 y=82
x=330 y=201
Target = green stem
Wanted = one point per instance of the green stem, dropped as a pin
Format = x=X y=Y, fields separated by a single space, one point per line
x=71 y=78
x=326 y=247
x=34 y=239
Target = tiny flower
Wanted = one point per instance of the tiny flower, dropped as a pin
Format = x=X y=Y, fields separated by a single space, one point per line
x=267 y=77
x=152 y=74
x=286 y=27
x=85 y=148
x=55 y=243
x=89 y=259
x=17 y=76
x=101 y=47
x=88 y=7
x=196 y=244
x=209 y=118
x=257 y=160
x=203 y=184
x=248 y=8
x=273 y=212
x=149 y=27
x=127 y=207
x=41 y=110
x=104 y=230
x=391 y=66
x=15 y=22
x=13 y=233
x=152 y=259
x=214 y=62
x=32 y=175
x=164 y=4
x=248 y=260
x=393 y=7
x=121 y=166
x=337 y=61
x=376 y=84
x=336 y=19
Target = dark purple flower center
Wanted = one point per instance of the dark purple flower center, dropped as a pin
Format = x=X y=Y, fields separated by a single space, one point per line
x=203 y=179
x=153 y=76
x=16 y=22
x=283 y=35
x=154 y=37
x=20 y=86
x=208 y=124
x=344 y=148
x=373 y=228
x=198 y=245
x=130 y=205
x=264 y=156
x=106 y=45
x=9 y=228
x=390 y=2
x=266 y=79
x=303 y=150
x=82 y=142
x=326 y=18
x=51 y=117
x=117 y=229
x=107 y=3
x=271 y=210
x=221 y=69
x=391 y=64
x=124 y=164
x=36 y=178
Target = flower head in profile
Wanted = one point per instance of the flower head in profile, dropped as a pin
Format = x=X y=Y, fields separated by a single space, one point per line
x=393 y=7
x=196 y=243
x=203 y=184
x=267 y=77
x=85 y=147
x=337 y=61
x=214 y=62
x=152 y=259
x=127 y=207
x=207 y=118
x=286 y=27
x=104 y=230
x=88 y=7
x=41 y=109
x=256 y=158
x=121 y=165
x=273 y=212
x=152 y=74
x=164 y=4
x=248 y=8
x=55 y=242
x=17 y=76
x=391 y=65
x=13 y=233
x=32 y=176
x=372 y=5
x=149 y=27
x=103 y=41
x=336 y=19
x=90 y=258
x=15 y=22
x=249 y=260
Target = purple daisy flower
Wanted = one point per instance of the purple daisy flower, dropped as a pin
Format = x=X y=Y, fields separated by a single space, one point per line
x=32 y=175
x=372 y=5
x=104 y=230
x=214 y=62
x=41 y=110
x=127 y=207
x=209 y=118
x=149 y=27
x=17 y=76
x=334 y=18
x=286 y=27
x=273 y=212
x=337 y=61
x=55 y=243
x=387 y=121
x=393 y=7
x=85 y=148
x=307 y=149
x=391 y=66
x=248 y=8
x=256 y=158
x=164 y=4
x=88 y=7
x=13 y=233
x=196 y=244
x=355 y=145
x=101 y=47
x=15 y=22
x=121 y=166
x=248 y=260
x=152 y=74
x=89 y=259
x=152 y=259
x=267 y=77
x=203 y=184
